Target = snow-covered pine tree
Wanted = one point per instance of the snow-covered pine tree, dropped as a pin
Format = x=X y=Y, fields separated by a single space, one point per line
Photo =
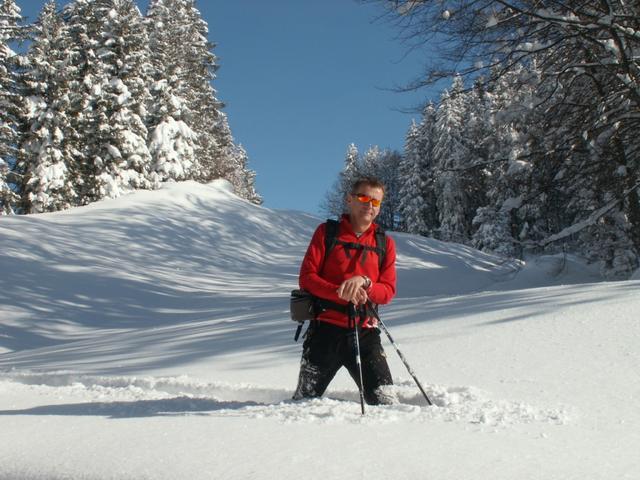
x=389 y=216
x=214 y=146
x=598 y=225
x=11 y=105
x=334 y=203
x=384 y=165
x=188 y=135
x=8 y=197
x=179 y=44
x=608 y=239
x=231 y=163
x=47 y=182
x=606 y=169
x=426 y=132
x=129 y=60
x=452 y=155
x=369 y=164
x=241 y=177
x=409 y=186
x=82 y=71
x=112 y=49
x=172 y=142
x=501 y=145
x=417 y=201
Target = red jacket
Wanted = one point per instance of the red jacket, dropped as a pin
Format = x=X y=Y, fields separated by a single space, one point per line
x=322 y=279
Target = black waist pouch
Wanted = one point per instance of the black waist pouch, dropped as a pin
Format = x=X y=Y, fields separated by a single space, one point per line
x=301 y=306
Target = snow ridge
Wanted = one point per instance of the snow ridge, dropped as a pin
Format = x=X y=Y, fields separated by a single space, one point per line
x=128 y=397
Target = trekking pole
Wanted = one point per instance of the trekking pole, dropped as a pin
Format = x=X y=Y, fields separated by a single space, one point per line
x=404 y=360
x=352 y=318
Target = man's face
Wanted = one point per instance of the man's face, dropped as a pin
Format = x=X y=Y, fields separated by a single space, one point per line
x=360 y=204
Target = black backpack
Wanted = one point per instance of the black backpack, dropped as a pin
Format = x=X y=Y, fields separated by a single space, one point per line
x=303 y=305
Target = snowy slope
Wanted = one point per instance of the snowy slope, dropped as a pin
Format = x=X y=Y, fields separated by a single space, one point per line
x=148 y=337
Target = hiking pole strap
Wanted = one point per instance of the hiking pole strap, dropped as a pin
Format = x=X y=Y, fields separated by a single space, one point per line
x=404 y=360
x=298 y=330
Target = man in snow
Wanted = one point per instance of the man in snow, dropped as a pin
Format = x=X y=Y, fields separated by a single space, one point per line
x=355 y=270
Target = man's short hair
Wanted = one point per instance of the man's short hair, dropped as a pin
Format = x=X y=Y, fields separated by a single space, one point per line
x=370 y=182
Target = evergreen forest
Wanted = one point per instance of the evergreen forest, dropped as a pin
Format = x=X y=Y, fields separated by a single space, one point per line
x=97 y=100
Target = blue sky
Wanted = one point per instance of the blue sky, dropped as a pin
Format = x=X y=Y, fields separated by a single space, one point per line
x=301 y=81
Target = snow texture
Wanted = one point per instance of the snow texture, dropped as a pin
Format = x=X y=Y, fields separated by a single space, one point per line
x=148 y=337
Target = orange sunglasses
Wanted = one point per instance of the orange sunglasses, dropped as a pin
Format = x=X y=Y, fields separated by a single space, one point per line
x=362 y=198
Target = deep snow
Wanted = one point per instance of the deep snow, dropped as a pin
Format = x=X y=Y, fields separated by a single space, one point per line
x=148 y=337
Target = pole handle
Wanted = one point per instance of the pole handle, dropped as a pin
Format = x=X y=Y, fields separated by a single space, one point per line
x=352 y=318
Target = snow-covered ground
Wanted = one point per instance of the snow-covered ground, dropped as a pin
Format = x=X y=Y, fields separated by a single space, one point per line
x=148 y=337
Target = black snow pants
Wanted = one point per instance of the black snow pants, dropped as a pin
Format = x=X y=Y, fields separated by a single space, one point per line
x=328 y=347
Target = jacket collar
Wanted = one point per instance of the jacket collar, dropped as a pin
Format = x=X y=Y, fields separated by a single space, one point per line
x=346 y=223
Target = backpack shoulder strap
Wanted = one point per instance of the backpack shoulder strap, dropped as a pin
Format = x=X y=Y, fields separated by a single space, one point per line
x=330 y=237
x=381 y=244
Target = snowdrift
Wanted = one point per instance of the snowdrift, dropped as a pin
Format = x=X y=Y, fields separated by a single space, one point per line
x=191 y=252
